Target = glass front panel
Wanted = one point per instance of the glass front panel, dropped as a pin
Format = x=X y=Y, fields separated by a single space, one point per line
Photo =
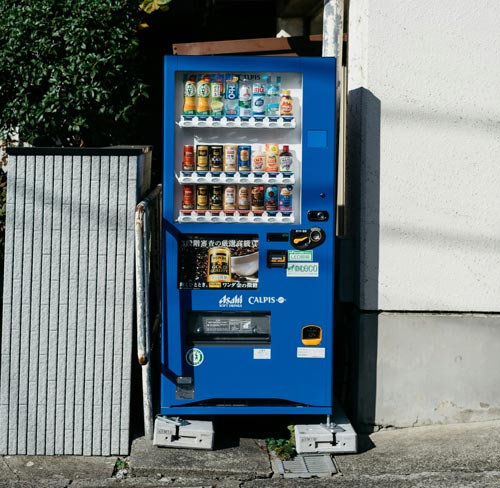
x=238 y=147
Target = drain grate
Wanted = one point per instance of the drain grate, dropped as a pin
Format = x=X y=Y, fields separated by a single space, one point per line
x=306 y=466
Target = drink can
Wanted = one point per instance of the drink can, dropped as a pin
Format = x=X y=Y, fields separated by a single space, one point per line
x=271 y=198
x=215 y=158
x=257 y=198
x=188 y=160
x=219 y=265
x=243 y=200
x=285 y=199
x=188 y=197
x=202 y=197
x=231 y=158
x=244 y=157
x=229 y=198
x=216 y=197
x=202 y=158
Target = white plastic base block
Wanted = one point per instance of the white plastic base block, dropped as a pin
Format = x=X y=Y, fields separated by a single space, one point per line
x=318 y=438
x=193 y=434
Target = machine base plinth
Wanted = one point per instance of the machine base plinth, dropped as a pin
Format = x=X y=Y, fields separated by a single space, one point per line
x=338 y=438
x=193 y=434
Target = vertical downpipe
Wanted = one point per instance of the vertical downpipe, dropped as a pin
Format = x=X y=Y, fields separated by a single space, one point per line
x=333 y=32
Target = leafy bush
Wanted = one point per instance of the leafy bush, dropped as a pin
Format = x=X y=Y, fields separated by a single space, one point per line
x=68 y=72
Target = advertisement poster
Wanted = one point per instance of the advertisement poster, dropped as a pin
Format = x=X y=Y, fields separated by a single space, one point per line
x=228 y=261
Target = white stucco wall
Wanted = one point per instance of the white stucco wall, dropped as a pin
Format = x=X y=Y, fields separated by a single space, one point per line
x=424 y=78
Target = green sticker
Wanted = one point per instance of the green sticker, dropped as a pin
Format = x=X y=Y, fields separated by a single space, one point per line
x=194 y=357
x=300 y=256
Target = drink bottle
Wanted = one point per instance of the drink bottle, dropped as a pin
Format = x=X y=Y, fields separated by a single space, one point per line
x=258 y=159
x=257 y=198
x=258 y=99
x=271 y=198
x=189 y=107
x=245 y=99
x=285 y=199
x=285 y=159
x=203 y=96
x=286 y=104
x=272 y=152
x=216 y=97
x=231 y=97
x=273 y=97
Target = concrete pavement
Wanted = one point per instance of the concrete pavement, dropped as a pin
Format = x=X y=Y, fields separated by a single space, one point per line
x=451 y=456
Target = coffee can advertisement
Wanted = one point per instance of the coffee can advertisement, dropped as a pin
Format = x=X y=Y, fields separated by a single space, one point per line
x=226 y=261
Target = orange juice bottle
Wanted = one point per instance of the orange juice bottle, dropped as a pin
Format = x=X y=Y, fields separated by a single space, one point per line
x=189 y=107
x=286 y=104
x=203 y=96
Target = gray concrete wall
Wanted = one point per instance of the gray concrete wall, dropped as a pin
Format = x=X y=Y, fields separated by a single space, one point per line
x=421 y=369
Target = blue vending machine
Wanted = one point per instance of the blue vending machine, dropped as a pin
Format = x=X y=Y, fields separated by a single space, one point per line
x=249 y=235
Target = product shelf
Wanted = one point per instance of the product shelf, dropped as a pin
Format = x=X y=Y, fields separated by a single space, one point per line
x=243 y=122
x=240 y=217
x=188 y=177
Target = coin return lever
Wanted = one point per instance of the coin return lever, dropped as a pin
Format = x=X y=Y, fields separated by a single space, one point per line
x=303 y=239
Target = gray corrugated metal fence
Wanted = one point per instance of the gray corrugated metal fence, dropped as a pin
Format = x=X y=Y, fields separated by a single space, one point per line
x=68 y=301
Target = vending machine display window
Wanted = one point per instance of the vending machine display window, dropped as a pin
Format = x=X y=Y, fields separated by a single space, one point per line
x=238 y=147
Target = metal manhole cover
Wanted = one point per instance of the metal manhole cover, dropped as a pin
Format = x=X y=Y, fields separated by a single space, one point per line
x=306 y=466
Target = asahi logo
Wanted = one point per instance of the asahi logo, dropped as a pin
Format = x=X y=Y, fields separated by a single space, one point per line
x=235 y=301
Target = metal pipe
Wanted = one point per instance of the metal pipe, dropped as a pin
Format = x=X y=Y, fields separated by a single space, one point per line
x=143 y=257
x=140 y=285
x=333 y=15
x=333 y=37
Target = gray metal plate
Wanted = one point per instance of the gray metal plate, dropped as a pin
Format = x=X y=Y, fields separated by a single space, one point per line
x=306 y=466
